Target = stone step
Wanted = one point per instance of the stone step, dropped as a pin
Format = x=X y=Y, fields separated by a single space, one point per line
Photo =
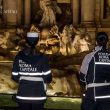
x=16 y=108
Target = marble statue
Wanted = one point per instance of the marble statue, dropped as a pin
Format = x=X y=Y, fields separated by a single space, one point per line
x=49 y=9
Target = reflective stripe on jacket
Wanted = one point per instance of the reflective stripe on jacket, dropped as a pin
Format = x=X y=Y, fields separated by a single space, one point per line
x=95 y=73
x=32 y=73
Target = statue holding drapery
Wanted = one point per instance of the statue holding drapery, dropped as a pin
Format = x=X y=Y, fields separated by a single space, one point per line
x=49 y=8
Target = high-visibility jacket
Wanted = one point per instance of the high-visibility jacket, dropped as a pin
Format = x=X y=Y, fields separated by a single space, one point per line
x=95 y=73
x=32 y=72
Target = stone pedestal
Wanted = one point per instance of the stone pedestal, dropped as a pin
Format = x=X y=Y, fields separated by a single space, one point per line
x=75 y=6
x=10 y=12
x=27 y=12
x=87 y=12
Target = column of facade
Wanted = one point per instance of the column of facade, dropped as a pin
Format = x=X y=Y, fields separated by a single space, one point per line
x=10 y=12
x=20 y=11
x=87 y=12
x=27 y=12
x=75 y=5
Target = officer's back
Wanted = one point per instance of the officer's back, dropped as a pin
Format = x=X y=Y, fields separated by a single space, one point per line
x=95 y=73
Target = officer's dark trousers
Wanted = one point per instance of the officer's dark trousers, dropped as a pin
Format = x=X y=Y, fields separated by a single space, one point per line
x=28 y=106
x=88 y=104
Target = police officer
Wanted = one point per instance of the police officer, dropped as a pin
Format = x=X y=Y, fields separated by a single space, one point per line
x=95 y=74
x=31 y=70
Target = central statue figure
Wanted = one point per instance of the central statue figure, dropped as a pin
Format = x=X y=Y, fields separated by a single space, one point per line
x=49 y=8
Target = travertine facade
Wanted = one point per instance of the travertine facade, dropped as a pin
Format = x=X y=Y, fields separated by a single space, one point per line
x=89 y=15
x=85 y=13
x=92 y=13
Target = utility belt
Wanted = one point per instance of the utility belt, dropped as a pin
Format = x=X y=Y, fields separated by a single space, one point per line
x=97 y=85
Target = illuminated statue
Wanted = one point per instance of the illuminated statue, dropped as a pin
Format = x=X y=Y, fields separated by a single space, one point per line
x=84 y=43
x=66 y=40
x=34 y=28
x=108 y=2
x=81 y=42
x=72 y=41
x=4 y=39
x=49 y=9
